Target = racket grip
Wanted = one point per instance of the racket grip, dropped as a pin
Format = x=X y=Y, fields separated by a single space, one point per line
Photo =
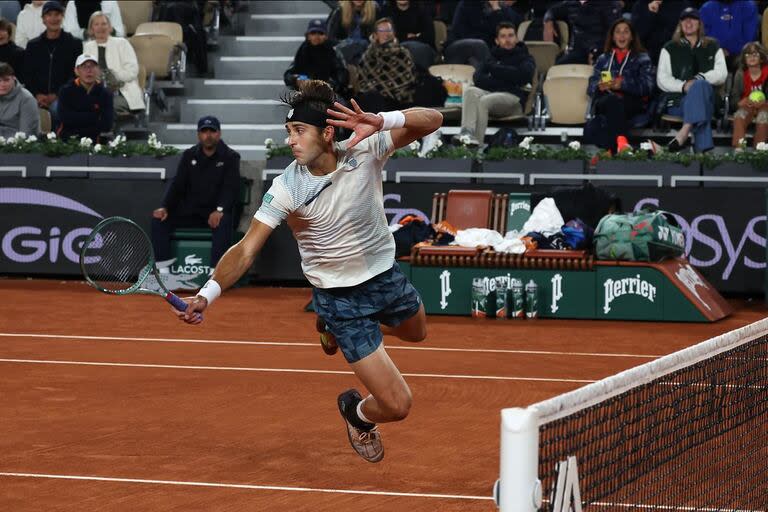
x=179 y=304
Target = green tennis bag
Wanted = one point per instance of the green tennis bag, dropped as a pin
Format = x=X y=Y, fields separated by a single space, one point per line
x=640 y=236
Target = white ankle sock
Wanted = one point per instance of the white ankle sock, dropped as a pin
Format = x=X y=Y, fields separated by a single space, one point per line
x=360 y=411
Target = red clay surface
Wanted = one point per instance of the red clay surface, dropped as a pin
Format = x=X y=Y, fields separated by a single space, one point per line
x=253 y=415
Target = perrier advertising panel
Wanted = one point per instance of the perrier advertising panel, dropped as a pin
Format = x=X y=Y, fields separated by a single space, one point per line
x=561 y=294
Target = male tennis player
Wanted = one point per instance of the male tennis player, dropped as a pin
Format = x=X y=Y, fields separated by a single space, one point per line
x=331 y=197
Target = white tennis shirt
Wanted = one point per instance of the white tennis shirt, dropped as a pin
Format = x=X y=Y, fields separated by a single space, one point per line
x=337 y=219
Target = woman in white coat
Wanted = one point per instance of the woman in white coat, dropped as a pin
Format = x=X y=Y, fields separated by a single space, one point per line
x=74 y=20
x=120 y=68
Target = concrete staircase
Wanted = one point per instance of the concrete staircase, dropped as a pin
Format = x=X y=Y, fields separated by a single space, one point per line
x=248 y=79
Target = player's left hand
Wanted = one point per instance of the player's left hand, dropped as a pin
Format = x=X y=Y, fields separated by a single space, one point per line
x=363 y=124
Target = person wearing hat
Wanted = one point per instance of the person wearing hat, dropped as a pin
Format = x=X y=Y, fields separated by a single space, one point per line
x=85 y=105
x=689 y=66
x=316 y=59
x=49 y=58
x=202 y=194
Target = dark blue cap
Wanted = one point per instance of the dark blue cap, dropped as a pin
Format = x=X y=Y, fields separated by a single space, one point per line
x=690 y=12
x=52 y=5
x=208 y=122
x=316 y=25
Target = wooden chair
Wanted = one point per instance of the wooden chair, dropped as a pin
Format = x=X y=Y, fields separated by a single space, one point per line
x=567 y=99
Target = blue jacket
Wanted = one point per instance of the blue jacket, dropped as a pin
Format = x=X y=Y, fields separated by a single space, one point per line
x=637 y=76
x=733 y=24
x=506 y=71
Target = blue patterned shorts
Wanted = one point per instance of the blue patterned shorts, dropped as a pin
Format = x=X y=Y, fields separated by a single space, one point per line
x=353 y=314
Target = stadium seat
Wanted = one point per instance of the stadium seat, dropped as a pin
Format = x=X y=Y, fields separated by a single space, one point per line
x=13 y=32
x=574 y=70
x=544 y=53
x=455 y=72
x=45 y=121
x=562 y=27
x=566 y=99
x=134 y=13
x=441 y=34
x=160 y=55
x=170 y=29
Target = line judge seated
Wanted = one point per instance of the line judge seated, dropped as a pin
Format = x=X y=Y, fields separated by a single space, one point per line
x=202 y=194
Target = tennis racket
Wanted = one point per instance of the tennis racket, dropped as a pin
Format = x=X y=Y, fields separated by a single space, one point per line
x=117 y=259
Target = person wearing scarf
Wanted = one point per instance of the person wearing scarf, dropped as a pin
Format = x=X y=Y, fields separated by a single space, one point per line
x=621 y=82
x=748 y=94
x=387 y=79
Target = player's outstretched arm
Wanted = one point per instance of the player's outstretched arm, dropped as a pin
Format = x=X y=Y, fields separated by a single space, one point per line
x=406 y=126
x=235 y=262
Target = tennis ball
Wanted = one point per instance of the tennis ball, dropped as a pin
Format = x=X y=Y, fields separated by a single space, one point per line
x=757 y=96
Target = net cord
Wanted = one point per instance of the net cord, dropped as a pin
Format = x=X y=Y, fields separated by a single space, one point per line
x=569 y=403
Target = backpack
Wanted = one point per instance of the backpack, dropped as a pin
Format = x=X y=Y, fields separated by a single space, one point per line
x=505 y=137
x=641 y=236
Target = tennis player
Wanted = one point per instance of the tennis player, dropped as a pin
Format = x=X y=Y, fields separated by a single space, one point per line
x=331 y=196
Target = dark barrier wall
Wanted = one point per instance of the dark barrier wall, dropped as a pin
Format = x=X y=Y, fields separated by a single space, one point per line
x=43 y=221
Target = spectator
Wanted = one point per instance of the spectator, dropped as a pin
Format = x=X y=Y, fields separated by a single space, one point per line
x=689 y=65
x=414 y=30
x=118 y=63
x=18 y=108
x=85 y=105
x=316 y=59
x=201 y=194
x=79 y=13
x=412 y=22
x=536 y=13
x=748 y=94
x=499 y=81
x=29 y=24
x=9 y=52
x=655 y=22
x=733 y=24
x=589 y=21
x=387 y=79
x=49 y=59
x=10 y=9
x=473 y=30
x=350 y=26
x=621 y=83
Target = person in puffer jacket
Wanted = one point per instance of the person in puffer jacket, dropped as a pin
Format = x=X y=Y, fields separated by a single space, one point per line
x=499 y=82
x=622 y=80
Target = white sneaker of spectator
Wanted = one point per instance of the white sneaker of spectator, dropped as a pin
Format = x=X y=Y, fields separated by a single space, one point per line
x=430 y=142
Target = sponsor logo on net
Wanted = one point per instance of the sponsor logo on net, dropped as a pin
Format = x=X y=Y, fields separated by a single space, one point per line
x=615 y=288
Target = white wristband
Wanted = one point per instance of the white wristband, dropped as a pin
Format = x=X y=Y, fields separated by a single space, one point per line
x=210 y=290
x=393 y=119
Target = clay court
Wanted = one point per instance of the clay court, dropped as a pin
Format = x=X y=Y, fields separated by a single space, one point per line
x=111 y=403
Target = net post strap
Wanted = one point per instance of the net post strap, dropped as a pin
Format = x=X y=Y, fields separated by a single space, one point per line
x=520 y=488
x=596 y=392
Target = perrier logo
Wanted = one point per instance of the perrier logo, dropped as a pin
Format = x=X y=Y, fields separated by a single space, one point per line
x=615 y=288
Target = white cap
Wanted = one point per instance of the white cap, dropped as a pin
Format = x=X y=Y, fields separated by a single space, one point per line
x=82 y=59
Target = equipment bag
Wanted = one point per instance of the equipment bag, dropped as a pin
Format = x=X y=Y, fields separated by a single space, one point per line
x=641 y=236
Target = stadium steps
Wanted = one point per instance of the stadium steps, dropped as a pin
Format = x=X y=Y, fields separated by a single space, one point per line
x=244 y=46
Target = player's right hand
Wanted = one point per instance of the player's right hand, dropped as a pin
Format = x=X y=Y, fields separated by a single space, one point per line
x=196 y=304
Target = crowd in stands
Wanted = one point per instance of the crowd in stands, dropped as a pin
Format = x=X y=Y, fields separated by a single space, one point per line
x=73 y=59
x=649 y=57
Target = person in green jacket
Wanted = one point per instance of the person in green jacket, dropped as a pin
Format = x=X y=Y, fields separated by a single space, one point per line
x=689 y=66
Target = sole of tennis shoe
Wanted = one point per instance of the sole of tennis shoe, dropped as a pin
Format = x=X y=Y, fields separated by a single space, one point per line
x=353 y=433
x=327 y=340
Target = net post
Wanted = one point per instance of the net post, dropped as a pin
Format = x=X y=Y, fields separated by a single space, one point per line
x=519 y=488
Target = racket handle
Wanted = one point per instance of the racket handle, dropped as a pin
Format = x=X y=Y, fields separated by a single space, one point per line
x=179 y=304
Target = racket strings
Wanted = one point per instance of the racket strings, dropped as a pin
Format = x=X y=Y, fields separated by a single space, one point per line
x=118 y=256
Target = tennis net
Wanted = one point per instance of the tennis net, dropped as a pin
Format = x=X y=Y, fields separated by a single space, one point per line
x=688 y=432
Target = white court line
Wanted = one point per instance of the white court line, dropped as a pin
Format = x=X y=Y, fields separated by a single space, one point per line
x=245 y=486
x=298 y=344
x=281 y=370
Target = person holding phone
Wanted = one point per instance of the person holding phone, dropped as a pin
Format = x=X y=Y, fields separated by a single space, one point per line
x=621 y=82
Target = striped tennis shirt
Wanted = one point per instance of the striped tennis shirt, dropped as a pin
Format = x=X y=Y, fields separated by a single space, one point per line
x=337 y=219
